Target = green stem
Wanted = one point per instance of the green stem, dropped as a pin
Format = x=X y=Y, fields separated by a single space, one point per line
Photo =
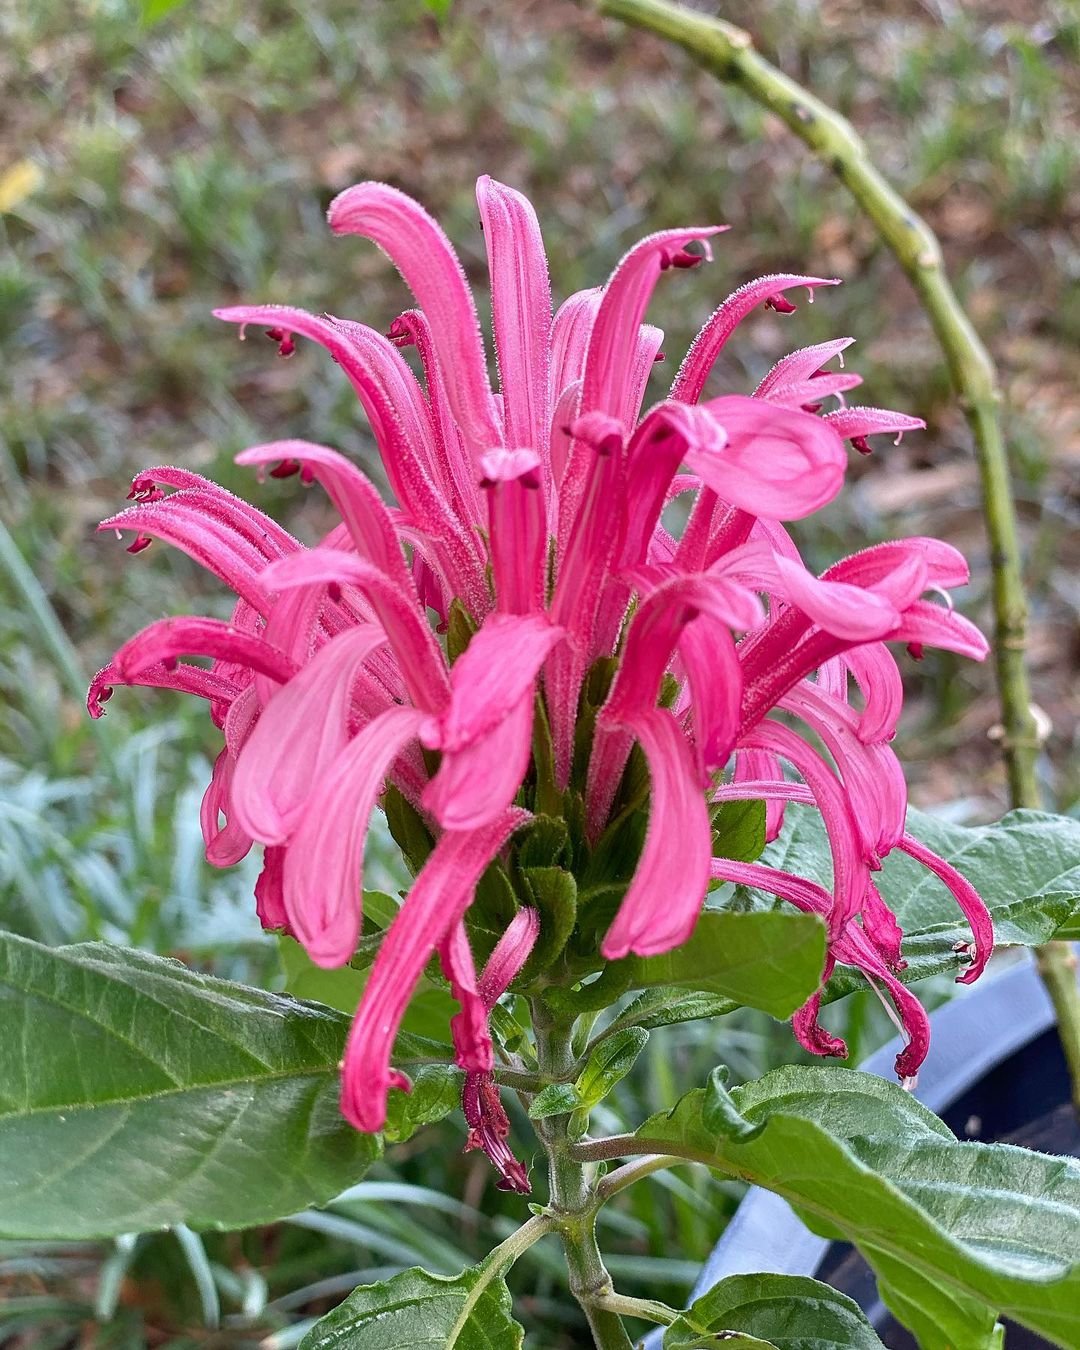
x=648 y=1309
x=728 y=52
x=573 y=1202
x=634 y=1171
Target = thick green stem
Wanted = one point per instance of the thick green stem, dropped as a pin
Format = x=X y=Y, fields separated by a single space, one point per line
x=573 y=1202
x=728 y=52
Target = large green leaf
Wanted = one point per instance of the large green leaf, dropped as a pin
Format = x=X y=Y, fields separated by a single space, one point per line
x=771 y=961
x=1026 y=867
x=415 y=1309
x=958 y=1231
x=787 y=1312
x=135 y=1093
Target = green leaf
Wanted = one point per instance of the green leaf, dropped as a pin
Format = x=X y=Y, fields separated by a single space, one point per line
x=667 y=1005
x=1025 y=868
x=609 y=1063
x=771 y=961
x=135 y=1093
x=418 y=1310
x=436 y=1091
x=557 y=1099
x=789 y=1312
x=739 y=830
x=553 y=893
x=958 y=1231
x=719 y=1113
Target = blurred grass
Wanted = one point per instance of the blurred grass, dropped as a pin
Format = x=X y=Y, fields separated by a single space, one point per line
x=150 y=173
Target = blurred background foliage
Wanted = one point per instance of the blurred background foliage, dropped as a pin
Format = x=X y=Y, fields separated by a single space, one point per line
x=151 y=170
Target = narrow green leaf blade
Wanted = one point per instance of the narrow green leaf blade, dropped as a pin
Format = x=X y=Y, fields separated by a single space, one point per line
x=784 y=1311
x=417 y=1309
x=135 y=1094
x=960 y=1231
x=770 y=961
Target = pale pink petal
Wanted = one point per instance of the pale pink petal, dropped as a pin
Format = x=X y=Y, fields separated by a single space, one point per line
x=439 y=897
x=301 y=731
x=477 y=783
x=323 y=884
x=420 y=658
x=664 y=899
x=426 y=260
x=521 y=310
x=494 y=673
x=778 y=462
x=843 y=610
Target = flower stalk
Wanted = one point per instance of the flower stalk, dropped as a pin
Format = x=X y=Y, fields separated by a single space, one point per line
x=573 y=1198
x=728 y=52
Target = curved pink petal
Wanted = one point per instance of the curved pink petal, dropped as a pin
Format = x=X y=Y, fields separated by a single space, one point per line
x=419 y=656
x=664 y=899
x=453 y=466
x=439 y=897
x=225 y=844
x=324 y=863
x=517 y=528
x=850 y=873
x=180 y=521
x=353 y=494
x=509 y=955
x=878 y=677
x=707 y=346
x=469 y=1027
x=495 y=672
x=855 y=424
x=967 y=897
x=184 y=679
x=301 y=731
x=800 y=366
x=477 y=783
x=609 y=361
x=841 y=609
x=426 y=260
x=269 y=897
x=521 y=310
x=778 y=462
x=870 y=567
x=184 y=635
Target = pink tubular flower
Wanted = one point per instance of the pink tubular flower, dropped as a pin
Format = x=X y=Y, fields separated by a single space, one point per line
x=522 y=633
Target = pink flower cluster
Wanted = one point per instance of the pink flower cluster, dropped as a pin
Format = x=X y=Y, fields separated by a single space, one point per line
x=540 y=511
